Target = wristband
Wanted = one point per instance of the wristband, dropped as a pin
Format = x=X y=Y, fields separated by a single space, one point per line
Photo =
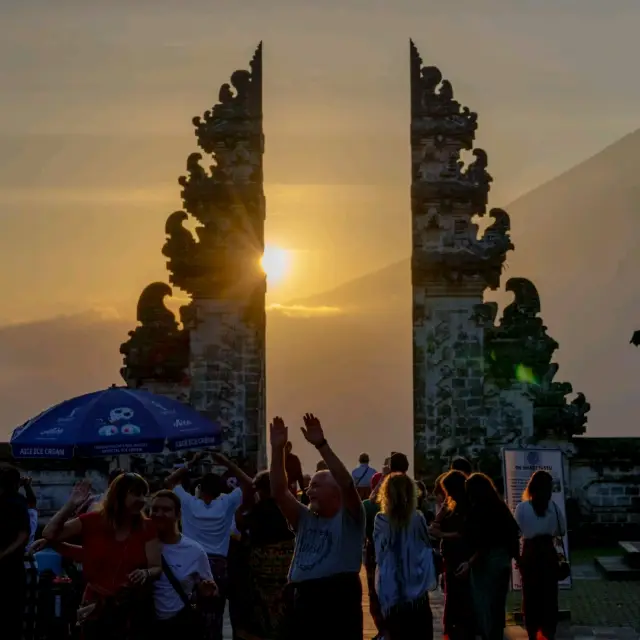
x=321 y=444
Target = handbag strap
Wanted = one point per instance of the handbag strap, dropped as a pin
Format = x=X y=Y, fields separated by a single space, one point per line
x=175 y=583
x=364 y=473
x=560 y=536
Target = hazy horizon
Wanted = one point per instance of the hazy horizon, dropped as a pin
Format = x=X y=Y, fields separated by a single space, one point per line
x=97 y=103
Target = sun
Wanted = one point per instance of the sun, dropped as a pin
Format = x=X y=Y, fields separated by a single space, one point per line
x=276 y=263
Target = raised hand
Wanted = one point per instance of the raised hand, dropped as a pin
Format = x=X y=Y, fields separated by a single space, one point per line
x=278 y=433
x=207 y=589
x=219 y=458
x=37 y=545
x=312 y=430
x=80 y=494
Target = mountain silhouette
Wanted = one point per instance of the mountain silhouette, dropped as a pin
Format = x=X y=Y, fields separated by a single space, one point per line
x=576 y=238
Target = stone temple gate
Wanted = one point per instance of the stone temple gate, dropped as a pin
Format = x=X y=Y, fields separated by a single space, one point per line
x=216 y=360
x=479 y=382
x=477 y=385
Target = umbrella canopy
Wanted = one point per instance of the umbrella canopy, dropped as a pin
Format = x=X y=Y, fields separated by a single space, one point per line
x=112 y=422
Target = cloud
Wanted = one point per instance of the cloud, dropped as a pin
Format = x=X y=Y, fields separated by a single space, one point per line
x=351 y=369
x=303 y=311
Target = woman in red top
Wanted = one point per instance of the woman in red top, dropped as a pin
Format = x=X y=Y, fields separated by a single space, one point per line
x=120 y=554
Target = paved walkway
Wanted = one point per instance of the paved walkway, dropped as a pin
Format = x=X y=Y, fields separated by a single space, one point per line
x=566 y=632
x=512 y=633
x=437 y=603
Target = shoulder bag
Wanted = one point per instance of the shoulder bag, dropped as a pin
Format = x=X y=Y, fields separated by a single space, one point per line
x=193 y=617
x=564 y=568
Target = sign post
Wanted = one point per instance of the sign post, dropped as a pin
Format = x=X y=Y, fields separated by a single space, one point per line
x=519 y=466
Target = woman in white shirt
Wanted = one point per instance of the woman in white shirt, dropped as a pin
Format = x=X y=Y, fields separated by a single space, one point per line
x=540 y=522
x=186 y=572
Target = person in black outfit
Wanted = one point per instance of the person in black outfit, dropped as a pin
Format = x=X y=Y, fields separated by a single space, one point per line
x=463 y=465
x=14 y=536
x=459 y=622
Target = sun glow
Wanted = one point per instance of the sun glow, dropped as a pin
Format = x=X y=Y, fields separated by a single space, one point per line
x=276 y=263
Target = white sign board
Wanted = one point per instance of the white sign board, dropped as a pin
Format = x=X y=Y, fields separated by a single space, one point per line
x=519 y=466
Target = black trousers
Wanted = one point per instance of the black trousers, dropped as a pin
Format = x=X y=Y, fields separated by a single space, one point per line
x=410 y=621
x=326 y=608
x=539 y=572
x=13 y=591
x=185 y=624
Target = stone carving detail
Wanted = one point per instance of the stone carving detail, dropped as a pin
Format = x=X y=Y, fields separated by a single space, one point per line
x=479 y=384
x=179 y=248
x=213 y=249
x=446 y=194
x=519 y=346
x=519 y=349
x=157 y=350
x=226 y=199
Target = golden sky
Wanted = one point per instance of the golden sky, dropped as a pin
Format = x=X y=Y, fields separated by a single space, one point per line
x=97 y=99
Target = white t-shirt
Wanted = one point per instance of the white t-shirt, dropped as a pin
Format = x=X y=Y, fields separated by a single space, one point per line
x=190 y=565
x=531 y=525
x=210 y=524
x=33 y=524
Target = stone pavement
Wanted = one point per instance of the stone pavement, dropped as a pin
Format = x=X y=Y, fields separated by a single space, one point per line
x=565 y=632
x=437 y=603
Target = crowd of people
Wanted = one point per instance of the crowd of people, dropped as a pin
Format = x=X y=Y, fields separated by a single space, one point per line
x=284 y=551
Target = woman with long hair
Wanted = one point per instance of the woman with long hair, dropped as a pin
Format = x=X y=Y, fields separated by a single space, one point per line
x=440 y=495
x=186 y=575
x=121 y=558
x=540 y=522
x=458 y=620
x=271 y=545
x=405 y=571
x=493 y=537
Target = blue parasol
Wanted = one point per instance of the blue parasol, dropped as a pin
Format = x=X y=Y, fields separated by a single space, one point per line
x=112 y=422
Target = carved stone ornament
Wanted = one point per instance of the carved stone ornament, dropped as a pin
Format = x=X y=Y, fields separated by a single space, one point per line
x=226 y=199
x=224 y=205
x=520 y=350
x=434 y=111
x=157 y=350
x=553 y=415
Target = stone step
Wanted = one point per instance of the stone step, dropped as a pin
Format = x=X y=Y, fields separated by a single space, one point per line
x=631 y=550
x=616 y=568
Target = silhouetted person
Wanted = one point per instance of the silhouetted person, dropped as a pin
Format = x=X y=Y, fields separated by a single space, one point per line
x=14 y=536
x=463 y=465
x=362 y=476
x=293 y=468
x=398 y=463
x=540 y=522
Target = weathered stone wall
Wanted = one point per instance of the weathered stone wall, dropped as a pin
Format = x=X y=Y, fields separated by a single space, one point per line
x=456 y=409
x=216 y=359
x=604 y=483
x=448 y=373
x=227 y=377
